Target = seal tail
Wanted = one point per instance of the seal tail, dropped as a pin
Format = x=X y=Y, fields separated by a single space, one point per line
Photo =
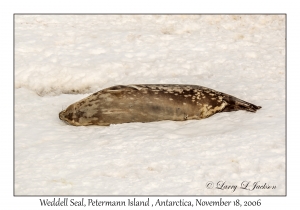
x=235 y=104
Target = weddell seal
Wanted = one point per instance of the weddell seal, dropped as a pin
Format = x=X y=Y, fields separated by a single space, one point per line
x=149 y=102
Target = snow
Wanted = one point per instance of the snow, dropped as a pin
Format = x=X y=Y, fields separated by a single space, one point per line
x=60 y=59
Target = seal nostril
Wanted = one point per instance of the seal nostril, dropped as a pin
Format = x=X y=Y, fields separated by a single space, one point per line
x=60 y=115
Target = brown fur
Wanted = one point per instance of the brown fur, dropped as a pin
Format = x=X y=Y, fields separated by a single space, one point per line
x=148 y=103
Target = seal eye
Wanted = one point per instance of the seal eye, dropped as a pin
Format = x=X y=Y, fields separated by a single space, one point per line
x=69 y=116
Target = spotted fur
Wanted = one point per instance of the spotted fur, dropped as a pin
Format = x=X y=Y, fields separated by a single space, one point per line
x=149 y=102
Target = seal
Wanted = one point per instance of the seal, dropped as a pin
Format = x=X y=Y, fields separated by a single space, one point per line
x=151 y=102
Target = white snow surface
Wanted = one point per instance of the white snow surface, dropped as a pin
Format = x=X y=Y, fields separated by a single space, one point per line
x=60 y=59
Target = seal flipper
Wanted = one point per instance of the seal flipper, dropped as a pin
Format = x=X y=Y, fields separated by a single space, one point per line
x=235 y=104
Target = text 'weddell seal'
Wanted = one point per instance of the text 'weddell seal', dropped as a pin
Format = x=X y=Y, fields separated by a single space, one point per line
x=149 y=103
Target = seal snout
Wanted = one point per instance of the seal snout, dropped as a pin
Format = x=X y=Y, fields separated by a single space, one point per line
x=61 y=116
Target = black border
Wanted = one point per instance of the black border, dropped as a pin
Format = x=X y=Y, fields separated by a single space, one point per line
x=14 y=194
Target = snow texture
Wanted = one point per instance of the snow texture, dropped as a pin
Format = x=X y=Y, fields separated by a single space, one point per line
x=60 y=59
